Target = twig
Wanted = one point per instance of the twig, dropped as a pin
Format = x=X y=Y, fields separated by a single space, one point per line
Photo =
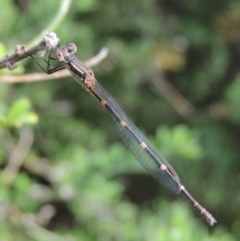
x=42 y=167
x=18 y=155
x=57 y=75
x=49 y=41
x=62 y=11
x=27 y=222
x=95 y=60
x=35 y=77
x=175 y=98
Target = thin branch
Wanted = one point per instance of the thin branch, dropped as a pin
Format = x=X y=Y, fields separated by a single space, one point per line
x=42 y=167
x=95 y=60
x=18 y=155
x=162 y=85
x=62 y=11
x=49 y=41
x=27 y=223
x=35 y=77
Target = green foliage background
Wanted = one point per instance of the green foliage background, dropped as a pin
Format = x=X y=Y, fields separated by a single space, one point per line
x=173 y=67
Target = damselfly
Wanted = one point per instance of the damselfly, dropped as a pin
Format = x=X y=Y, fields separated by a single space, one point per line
x=135 y=141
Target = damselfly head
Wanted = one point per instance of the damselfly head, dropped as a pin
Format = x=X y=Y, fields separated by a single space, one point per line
x=65 y=53
x=71 y=48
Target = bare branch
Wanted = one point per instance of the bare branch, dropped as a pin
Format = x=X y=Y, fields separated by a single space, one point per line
x=35 y=77
x=18 y=155
x=56 y=21
x=160 y=84
x=49 y=40
x=95 y=60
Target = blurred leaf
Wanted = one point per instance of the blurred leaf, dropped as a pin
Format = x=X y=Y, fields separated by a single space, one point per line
x=21 y=196
x=4 y=192
x=17 y=108
x=22 y=183
x=86 y=5
x=168 y=58
x=179 y=142
x=2 y=49
x=19 y=113
x=232 y=98
x=3 y=122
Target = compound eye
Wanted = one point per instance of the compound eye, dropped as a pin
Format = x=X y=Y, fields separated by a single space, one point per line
x=71 y=48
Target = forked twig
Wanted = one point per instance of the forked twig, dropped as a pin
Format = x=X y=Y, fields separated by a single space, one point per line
x=49 y=41
x=36 y=77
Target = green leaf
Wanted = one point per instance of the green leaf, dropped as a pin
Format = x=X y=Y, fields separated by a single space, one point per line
x=19 y=114
x=232 y=98
x=179 y=141
x=3 y=122
x=2 y=49
x=20 y=106
x=26 y=118
x=86 y=5
x=22 y=183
